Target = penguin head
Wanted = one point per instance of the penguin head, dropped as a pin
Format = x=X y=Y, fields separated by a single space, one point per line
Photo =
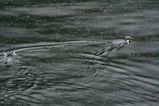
x=129 y=39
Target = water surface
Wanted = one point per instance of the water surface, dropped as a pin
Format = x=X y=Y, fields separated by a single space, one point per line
x=48 y=36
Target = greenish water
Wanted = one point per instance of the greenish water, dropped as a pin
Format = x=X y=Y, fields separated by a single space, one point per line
x=54 y=69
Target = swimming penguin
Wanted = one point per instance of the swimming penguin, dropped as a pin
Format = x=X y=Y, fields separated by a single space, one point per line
x=116 y=44
x=103 y=48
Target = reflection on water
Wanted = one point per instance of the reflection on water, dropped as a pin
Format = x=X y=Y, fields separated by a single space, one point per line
x=67 y=72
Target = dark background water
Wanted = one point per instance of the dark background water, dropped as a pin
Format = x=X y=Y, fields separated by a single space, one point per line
x=51 y=74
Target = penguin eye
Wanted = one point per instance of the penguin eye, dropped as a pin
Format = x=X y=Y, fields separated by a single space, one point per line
x=129 y=41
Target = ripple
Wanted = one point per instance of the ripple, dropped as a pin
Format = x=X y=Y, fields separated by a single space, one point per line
x=70 y=72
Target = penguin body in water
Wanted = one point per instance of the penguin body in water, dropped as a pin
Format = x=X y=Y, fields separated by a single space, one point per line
x=103 y=48
x=116 y=45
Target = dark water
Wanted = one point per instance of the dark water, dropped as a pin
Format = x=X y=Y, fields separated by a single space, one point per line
x=48 y=34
